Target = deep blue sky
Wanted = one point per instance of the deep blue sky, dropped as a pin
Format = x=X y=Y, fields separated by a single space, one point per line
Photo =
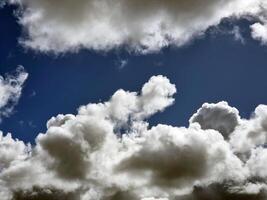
x=210 y=69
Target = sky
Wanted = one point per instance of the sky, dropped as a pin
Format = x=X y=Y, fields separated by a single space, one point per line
x=183 y=59
x=215 y=67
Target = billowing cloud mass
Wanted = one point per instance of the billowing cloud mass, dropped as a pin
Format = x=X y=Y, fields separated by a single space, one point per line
x=140 y=26
x=10 y=90
x=220 y=117
x=108 y=151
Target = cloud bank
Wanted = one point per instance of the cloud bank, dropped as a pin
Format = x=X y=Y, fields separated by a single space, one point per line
x=140 y=26
x=10 y=90
x=108 y=151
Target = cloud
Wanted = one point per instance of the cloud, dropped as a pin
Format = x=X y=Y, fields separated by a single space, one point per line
x=221 y=192
x=10 y=90
x=257 y=163
x=259 y=29
x=251 y=133
x=179 y=156
x=142 y=27
x=122 y=63
x=108 y=151
x=236 y=32
x=220 y=117
x=42 y=194
x=11 y=150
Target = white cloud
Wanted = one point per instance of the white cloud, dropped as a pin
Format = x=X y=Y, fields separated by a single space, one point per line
x=257 y=163
x=259 y=32
x=251 y=133
x=107 y=151
x=11 y=150
x=61 y=26
x=10 y=90
x=259 y=29
x=178 y=157
x=220 y=117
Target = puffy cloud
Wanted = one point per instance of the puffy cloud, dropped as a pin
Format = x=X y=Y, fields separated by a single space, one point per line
x=180 y=156
x=251 y=133
x=257 y=163
x=259 y=32
x=61 y=26
x=11 y=151
x=10 y=90
x=220 y=117
x=108 y=151
x=71 y=152
x=259 y=29
x=155 y=95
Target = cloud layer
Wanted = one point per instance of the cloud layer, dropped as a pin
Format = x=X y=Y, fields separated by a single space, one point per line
x=10 y=90
x=108 y=151
x=140 y=26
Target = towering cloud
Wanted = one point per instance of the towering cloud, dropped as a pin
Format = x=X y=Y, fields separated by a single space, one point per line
x=107 y=151
x=10 y=90
x=141 y=26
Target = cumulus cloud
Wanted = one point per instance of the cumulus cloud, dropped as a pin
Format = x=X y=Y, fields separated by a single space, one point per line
x=220 y=117
x=141 y=26
x=259 y=29
x=251 y=133
x=108 y=151
x=10 y=90
x=11 y=150
x=176 y=157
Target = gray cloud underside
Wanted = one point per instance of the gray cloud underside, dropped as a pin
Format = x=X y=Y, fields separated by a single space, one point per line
x=108 y=152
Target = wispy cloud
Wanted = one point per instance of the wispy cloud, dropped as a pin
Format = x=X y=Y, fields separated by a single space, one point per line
x=10 y=90
x=122 y=63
